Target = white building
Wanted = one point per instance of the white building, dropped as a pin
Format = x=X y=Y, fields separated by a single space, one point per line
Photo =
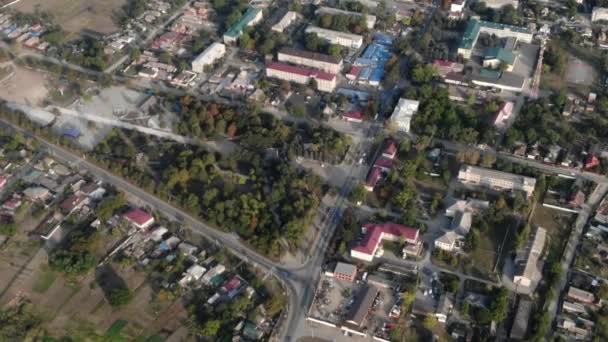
x=348 y=40
x=457 y=6
x=448 y=241
x=370 y=20
x=599 y=13
x=404 y=112
x=496 y=4
x=527 y=258
x=287 y=20
x=496 y=180
x=325 y=81
x=315 y=60
x=211 y=54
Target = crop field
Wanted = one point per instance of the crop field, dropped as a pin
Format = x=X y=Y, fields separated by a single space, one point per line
x=76 y=15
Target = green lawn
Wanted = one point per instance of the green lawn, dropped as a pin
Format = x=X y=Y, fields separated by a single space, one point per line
x=115 y=329
x=44 y=281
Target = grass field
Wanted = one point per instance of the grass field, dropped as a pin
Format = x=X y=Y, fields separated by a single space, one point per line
x=75 y=15
x=45 y=280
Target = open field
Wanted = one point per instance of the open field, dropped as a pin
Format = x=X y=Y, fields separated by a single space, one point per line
x=25 y=86
x=76 y=15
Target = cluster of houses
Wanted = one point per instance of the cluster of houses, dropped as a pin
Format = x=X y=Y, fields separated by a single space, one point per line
x=27 y=35
x=576 y=318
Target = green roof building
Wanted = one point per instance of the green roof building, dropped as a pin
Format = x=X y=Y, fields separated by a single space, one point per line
x=494 y=57
x=251 y=17
x=476 y=27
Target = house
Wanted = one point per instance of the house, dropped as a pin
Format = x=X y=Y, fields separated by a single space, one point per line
x=384 y=164
x=11 y=205
x=193 y=274
x=444 y=307
x=471 y=205
x=37 y=193
x=591 y=161
x=599 y=13
x=496 y=180
x=139 y=218
x=93 y=191
x=187 y=249
x=527 y=258
x=73 y=203
x=522 y=318
x=577 y=199
x=344 y=271
x=2 y=181
x=213 y=272
x=580 y=295
x=371 y=245
x=363 y=303
x=233 y=287
x=403 y=113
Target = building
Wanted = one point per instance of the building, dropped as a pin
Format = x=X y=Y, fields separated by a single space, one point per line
x=457 y=6
x=211 y=54
x=325 y=81
x=501 y=122
x=353 y=116
x=193 y=274
x=363 y=303
x=344 y=271
x=372 y=179
x=527 y=258
x=251 y=17
x=37 y=193
x=370 y=20
x=348 y=40
x=139 y=218
x=475 y=27
x=497 y=4
x=520 y=323
x=403 y=114
x=2 y=182
x=309 y=59
x=448 y=241
x=580 y=295
x=444 y=307
x=285 y=21
x=73 y=203
x=495 y=58
x=496 y=180
x=488 y=78
x=444 y=68
x=371 y=245
x=599 y=13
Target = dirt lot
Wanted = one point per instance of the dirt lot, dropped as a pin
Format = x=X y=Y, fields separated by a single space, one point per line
x=75 y=15
x=25 y=86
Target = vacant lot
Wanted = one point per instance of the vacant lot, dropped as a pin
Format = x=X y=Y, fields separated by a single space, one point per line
x=24 y=86
x=76 y=15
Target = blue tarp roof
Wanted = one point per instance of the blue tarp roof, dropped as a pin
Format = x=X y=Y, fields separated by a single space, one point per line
x=384 y=39
x=71 y=133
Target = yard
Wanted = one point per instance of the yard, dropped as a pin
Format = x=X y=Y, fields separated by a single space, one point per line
x=76 y=15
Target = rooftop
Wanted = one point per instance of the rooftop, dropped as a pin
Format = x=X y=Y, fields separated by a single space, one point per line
x=374 y=232
x=310 y=55
x=302 y=71
x=501 y=54
x=474 y=26
x=344 y=268
x=237 y=28
x=138 y=216
x=363 y=303
x=483 y=172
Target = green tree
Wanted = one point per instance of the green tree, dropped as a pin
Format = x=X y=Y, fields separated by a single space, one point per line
x=423 y=74
x=211 y=328
x=120 y=297
x=358 y=193
x=430 y=322
x=8 y=229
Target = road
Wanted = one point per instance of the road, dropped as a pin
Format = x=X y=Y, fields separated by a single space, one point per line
x=572 y=245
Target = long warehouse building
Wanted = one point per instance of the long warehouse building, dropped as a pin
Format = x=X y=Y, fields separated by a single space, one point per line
x=348 y=40
x=315 y=60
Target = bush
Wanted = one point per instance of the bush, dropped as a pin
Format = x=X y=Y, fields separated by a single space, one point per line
x=120 y=297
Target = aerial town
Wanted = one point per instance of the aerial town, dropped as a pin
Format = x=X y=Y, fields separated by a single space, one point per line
x=303 y=170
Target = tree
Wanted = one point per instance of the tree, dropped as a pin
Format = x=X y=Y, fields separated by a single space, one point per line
x=488 y=160
x=471 y=241
x=430 y=322
x=8 y=229
x=120 y=296
x=465 y=308
x=335 y=50
x=357 y=195
x=522 y=236
x=602 y=292
x=211 y=327
x=423 y=74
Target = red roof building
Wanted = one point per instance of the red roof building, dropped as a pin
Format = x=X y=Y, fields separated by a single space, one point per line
x=325 y=81
x=72 y=203
x=353 y=73
x=231 y=284
x=353 y=116
x=373 y=178
x=385 y=164
x=11 y=205
x=591 y=162
x=376 y=233
x=139 y=218
x=2 y=181
x=391 y=150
